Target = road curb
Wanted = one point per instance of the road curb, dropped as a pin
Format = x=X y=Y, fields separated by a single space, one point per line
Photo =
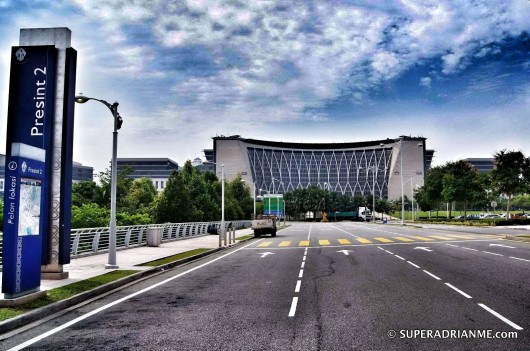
x=516 y=238
x=40 y=313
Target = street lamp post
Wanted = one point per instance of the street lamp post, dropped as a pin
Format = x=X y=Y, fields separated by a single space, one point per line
x=80 y=99
x=222 y=234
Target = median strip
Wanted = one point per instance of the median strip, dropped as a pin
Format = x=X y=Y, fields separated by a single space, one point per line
x=174 y=258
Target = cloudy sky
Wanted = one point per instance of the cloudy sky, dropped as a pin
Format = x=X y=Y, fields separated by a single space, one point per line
x=455 y=72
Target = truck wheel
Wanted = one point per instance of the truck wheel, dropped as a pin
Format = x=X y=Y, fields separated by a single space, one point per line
x=257 y=235
x=273 y=234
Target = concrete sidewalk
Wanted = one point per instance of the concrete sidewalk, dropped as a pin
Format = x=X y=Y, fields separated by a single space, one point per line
x=90 y=266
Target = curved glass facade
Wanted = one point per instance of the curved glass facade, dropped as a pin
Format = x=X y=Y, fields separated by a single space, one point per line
x=348 y=172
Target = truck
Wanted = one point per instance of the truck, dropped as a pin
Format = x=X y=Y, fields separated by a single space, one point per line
x=364 y=214
x=264 y=224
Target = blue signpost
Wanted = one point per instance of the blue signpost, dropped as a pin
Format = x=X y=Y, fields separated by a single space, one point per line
x=28 y=166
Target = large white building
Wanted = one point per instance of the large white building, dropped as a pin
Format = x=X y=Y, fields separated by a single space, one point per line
x=354 y=168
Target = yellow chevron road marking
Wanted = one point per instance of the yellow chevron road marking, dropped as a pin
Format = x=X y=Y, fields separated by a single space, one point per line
x=384 y=240
x=265 y=244
x=324 y=242
x=363 y=241
x=284 y=243
x=460 y=236
x=440 y=237
x=403 y=239
x=344 y=241
x=422 y=238
x=303 y=243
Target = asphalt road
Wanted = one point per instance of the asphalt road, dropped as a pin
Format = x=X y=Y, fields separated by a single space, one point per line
x=324 y=286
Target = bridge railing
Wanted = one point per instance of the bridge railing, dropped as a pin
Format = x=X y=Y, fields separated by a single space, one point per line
x=90 y=241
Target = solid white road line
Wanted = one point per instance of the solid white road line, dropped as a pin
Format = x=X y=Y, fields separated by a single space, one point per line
x=467 y=248
x=412 y=264
x=298 y=284
x=521 y=259
x=432 y=275
x=458 y=291
x=389 y=252
x=401 y=258
x=292 y=311
x=452 y=245
x=380 y=248
x=502 y=318
x=114 y=303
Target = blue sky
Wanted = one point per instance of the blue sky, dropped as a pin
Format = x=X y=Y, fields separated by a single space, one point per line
x=455 y=72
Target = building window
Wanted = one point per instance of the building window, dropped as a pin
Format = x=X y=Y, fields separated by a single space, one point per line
x=156 y=184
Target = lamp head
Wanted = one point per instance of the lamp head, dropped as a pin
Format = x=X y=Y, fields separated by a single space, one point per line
x=119 y=122
x=80 y=99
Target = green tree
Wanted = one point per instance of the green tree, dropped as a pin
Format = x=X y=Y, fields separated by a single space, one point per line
x=85 y=193
x=433 y=187
x=141 y=197
x=174 y=203
x=422 y=200
x=522 y=201
x=461 y=182
x=123 y=185
x=242 y=195
x=511 y=175
x=90 y=215
x=201 y=188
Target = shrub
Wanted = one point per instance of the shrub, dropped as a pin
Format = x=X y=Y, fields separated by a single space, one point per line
x=513 y=221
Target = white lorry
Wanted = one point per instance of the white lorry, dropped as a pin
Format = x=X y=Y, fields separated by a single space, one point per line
x=365 y=214
x=264 y=225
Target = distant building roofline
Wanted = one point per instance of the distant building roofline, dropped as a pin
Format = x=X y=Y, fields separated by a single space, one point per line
x=146 y=159
x=322 y=146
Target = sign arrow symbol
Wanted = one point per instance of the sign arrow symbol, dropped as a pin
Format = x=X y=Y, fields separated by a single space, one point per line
x=345 y=252
x=510 y=247
x=265 y=254
x=422 y=248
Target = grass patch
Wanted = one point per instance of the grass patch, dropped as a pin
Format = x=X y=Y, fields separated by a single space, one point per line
x=174 y=258
x=523 y=236
x=64 y=292
x=245 y=237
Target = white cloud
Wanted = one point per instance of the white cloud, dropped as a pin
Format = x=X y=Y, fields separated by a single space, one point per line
x=291 y=57
x=425 y=82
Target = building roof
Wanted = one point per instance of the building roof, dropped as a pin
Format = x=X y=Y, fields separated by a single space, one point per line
x=320 y=146
x=146 y=159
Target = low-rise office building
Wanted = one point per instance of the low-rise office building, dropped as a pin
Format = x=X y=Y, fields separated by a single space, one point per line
x=156 y=169
x=483 y=165
x=81 y=173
